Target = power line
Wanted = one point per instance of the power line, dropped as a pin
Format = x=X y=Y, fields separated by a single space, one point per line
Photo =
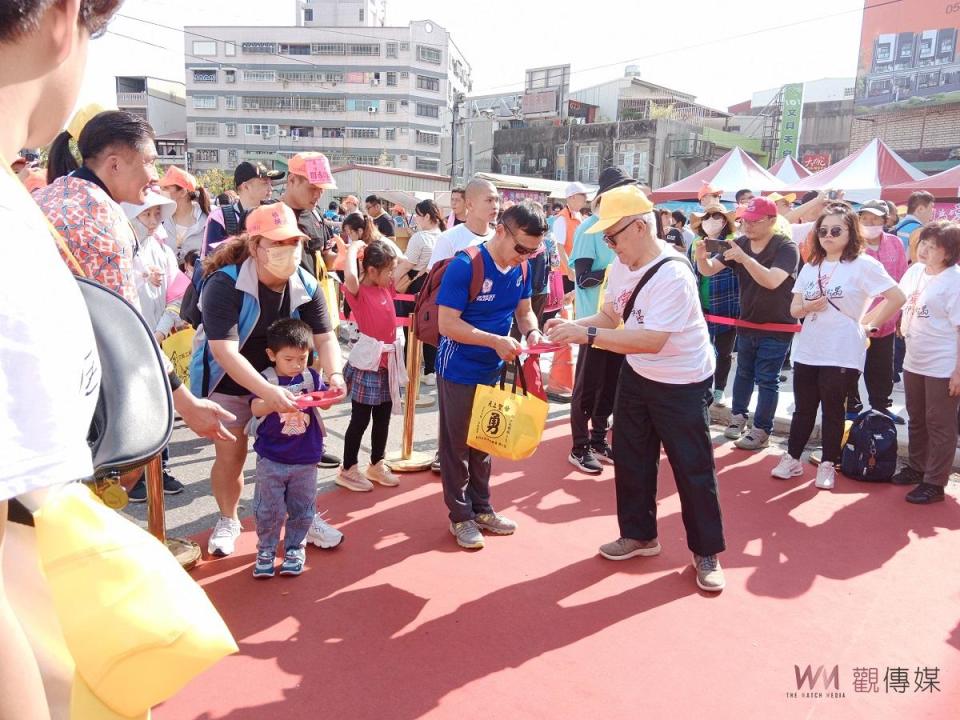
x=725 y=40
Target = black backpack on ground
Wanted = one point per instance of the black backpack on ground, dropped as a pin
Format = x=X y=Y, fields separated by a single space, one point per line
x=870 y=453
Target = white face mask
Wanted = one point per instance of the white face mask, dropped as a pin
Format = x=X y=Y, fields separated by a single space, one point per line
x=713 y=226
x=871 y=232
x=282 y=261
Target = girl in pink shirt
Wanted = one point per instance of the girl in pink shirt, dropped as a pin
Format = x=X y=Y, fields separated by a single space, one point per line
x=375 y=369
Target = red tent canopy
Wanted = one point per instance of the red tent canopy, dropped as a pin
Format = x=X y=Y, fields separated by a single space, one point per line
x=789 y=170
x=734 y=171
x=943 y=186
x=862 y=175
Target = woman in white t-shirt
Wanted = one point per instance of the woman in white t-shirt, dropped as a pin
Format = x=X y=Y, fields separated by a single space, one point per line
x=931 y=378
x=832 y=293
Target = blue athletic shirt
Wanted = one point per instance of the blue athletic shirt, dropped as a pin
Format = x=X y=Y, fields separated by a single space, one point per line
x=492 y=312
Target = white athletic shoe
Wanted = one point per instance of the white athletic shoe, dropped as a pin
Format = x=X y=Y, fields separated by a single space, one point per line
x=224 y=537
x=322 y=534
x=826 y=476
x=787 y=468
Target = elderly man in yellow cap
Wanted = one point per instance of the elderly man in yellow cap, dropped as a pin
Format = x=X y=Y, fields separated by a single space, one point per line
x=664 y=387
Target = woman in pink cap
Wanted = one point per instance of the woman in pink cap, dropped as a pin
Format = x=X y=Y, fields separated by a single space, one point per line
x=186 y=228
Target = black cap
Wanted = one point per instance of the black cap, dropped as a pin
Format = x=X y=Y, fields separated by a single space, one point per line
x=248 y=171
x=613 y=177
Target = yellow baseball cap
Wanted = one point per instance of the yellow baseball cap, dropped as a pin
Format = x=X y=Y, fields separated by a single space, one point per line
x=619 y=203
x=315 y=167
x=777 y=197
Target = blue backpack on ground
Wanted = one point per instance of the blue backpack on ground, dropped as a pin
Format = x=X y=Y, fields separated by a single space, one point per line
x=870 y=453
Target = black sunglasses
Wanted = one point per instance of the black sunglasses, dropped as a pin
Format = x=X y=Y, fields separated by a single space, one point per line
x=835 y=231
x=611 y=240
x=521 y=249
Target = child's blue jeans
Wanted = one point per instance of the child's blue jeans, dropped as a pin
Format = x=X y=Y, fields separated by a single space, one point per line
x=283 y=493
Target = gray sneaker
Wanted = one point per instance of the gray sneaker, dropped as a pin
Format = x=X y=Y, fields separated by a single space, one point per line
x=625 y=548
x=497 y=524
x=735 y=428
x=468 y=535
x=756 y=439
x=709 y=573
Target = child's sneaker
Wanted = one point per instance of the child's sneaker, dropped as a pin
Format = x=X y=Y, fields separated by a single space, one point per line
x=381 y=475
x=263 y=567
x=293 y=561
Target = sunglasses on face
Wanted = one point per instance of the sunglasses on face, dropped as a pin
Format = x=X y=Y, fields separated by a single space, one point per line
x=835 y=231
x=521 y=249
x=715 y=216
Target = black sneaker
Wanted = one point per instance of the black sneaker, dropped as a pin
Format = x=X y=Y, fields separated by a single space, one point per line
x=925 y=494
x=435 y=465
x=138 y=493
x=583 y=458
x=171 y=486
x=603 y=452
x=907 y=476
x=329 y=460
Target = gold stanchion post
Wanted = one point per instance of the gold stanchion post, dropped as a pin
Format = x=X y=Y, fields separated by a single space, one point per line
x=408 y=460
x=186 y=552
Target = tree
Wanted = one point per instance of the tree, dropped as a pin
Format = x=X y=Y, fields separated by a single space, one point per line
x=215 y=181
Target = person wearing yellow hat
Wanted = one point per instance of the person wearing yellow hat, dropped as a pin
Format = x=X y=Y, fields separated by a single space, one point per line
x=250 y=281
x=664 y=387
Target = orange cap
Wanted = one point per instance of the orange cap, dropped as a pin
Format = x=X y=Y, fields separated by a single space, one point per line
x=708 y=189
x=275 y=221
x=314 y=167
x=180 y=178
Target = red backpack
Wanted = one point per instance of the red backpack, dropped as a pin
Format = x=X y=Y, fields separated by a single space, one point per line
x=426 y=309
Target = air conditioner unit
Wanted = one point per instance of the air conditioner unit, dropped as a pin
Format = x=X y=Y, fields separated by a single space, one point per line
x=404 y=75
x=403 y=157
x=375 y=82
x=372 y=109
x=404 y=103
x=284 y=133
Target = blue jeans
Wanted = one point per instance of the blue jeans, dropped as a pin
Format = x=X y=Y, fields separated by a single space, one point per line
x=759 y=362
x=283 y=492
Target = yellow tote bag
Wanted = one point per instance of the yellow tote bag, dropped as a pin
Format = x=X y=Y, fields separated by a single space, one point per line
x=179 y=349
x=329 y=287
x=138 y=627
x=506 y=423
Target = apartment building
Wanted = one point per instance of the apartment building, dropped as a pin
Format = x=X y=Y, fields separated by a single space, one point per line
x=366 y=94
x=162 y=103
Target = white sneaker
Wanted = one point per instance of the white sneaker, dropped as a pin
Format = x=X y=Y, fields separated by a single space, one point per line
x=381 y=474
x=322 y=534
x=352 y=480
x=787 y=468
x=826 y=476
x=224 y=537
x=430 y=380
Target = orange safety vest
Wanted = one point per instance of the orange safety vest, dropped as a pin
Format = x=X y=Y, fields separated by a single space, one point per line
x=571 y=225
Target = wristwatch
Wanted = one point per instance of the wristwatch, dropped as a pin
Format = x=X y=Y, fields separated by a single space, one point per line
x=591 y=335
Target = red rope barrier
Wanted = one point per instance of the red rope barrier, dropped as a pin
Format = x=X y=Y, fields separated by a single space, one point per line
x=771 y=327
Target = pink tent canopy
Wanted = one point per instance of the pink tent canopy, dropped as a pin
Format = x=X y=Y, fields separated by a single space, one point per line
x=943 y=186
x=734 y=171
x=789 y=170
x=862 y=175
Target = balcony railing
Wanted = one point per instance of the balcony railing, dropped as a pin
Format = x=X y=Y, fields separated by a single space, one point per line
x=127 y=98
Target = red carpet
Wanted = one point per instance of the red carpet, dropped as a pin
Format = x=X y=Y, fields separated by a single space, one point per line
x=399 y=623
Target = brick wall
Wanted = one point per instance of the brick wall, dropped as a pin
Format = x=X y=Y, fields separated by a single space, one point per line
x=916 y=134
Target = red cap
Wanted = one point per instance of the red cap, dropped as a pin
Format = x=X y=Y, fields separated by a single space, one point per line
x=759 y=208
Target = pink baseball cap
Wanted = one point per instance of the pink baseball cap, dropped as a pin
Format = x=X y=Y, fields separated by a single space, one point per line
x=759 y=208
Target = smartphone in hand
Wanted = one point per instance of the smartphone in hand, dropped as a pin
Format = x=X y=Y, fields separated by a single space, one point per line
x=716 y=247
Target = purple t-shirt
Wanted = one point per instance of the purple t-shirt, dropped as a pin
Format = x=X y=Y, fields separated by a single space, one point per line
x=272 y=444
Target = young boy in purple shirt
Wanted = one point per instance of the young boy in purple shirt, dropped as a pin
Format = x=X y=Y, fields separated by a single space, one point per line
x=288 y=448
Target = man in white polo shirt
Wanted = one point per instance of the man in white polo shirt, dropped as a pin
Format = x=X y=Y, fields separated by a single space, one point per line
x=664 y=390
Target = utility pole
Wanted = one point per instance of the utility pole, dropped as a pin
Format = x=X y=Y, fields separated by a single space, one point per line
x=458 y=98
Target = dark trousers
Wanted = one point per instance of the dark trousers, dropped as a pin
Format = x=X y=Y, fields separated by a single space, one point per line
x=465 y=472
x=359 y=421
x=877 y=376
x=593 y=395
x=646 y=415
x=723 y=346
x=932 y=427
x=899 y=354
x=815 y=387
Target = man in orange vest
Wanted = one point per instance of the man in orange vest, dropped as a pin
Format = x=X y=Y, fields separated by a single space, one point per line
x=566 y=224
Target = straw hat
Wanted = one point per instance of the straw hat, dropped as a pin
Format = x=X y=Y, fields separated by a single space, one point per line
x=696 y=219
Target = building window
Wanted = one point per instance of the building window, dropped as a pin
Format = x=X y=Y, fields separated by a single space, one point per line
x=424 y=110
x=391 y=133
x=230 y=76
x=404 y=47
x=261 y=130
x=207 y=156
x=205 y=102
x=331 y=132
x=367 y=49
x=259 y=75
x=205 y=48
x=294 y=48
x=427 y=165
x=391 y=107
x=259 y=48
x=205 y=76
x=230 y=102
x=634 y=158
x=328 y=49
x=233 y=157
x=230 y=49
x=207 y=129
x=361 y=14
x=366 y=133
x=428 y=138
x=428 y=83
x=391 y=50
x=588 y=163
x=428 y=54
x=391 y=79
x=308 y=15
x=231 y=129
x=361 y=105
